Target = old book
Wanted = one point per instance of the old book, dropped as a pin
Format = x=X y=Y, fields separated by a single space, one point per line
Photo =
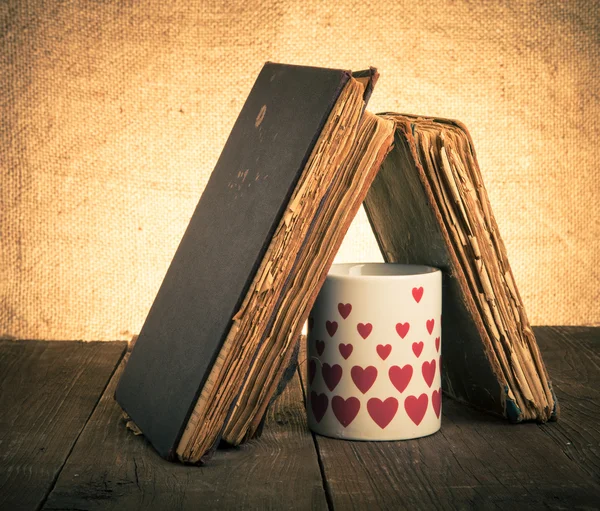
x=428 y=205
x=222 y=329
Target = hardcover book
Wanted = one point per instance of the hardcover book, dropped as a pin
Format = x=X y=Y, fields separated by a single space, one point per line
x=223 y=326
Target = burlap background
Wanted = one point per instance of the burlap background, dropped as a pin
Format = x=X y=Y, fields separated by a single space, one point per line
x=114 y=114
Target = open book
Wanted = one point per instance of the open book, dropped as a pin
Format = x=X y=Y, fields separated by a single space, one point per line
x=301 y=158
x=428 y=205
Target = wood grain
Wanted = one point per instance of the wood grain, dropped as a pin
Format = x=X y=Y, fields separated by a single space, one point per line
x=475 y=462
x=572 y=355
x=48 y=391
x=110 y=468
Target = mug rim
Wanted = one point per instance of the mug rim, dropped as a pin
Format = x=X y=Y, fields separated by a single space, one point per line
x=393 y=271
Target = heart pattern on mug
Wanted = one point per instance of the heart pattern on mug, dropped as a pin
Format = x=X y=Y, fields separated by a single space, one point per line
x=320 y=345
x=428 y=370
x=417 y=348
x=312 y=370
x=318 y=405
x=417 y=293
x=402 y=329
x=345 y=350
x=384 y=351
x=331 y=375
x=331 y=327
x=382 y=412
x=436 y=402
x=345 y=410
x=430 y=323
x=400 y=376
x=364 y=329
x=416 y=407
x=344 y=309
x=363 y=378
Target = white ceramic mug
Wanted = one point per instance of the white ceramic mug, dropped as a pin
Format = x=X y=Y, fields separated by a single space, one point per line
x=374 y=344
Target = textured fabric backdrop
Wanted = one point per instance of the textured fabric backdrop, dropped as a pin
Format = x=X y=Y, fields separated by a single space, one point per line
x=115 y=112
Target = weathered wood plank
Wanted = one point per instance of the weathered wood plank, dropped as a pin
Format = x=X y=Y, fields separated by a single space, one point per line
x=475 y=462
x=110 y=468
x=48 y=391
x=572 y=355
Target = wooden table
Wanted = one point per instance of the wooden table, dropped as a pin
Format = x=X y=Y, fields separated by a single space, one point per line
x=63 y=445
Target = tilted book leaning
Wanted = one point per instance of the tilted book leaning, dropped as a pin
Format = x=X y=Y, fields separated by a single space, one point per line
x=223 y=326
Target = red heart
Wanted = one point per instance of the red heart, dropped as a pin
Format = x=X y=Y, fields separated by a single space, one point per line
x=416 y=407
x=312 y=369
x=400 y=376
x=345 y=410
x=417 y=293
x=437 y=344
x=430 y=323
x=417 y=348
x=345 y=309
x=384 y=351
x=428 y=370
x=382 y=412
x=311 y=322
x=345 y=350
x=402 y=329
x=318 y=404
x=332 y=375
x=364 y=329
x=436 y=401
x=320 y=346
x=331 y=327
x=363 y=378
